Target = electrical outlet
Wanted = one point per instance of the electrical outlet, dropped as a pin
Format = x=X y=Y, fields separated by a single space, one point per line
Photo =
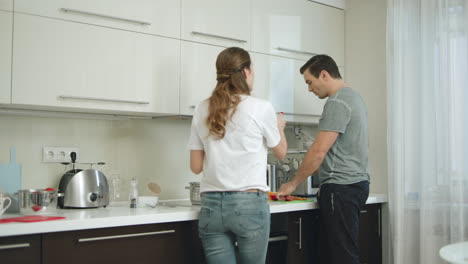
x=52 y=154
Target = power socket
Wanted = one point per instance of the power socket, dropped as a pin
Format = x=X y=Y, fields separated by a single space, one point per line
x=53 y=154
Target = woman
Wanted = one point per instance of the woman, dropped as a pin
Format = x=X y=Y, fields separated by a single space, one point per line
x=230 y=135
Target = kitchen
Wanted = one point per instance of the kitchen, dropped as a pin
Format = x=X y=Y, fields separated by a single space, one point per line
x=59 y=66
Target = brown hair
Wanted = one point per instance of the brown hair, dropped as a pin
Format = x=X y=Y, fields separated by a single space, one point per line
x=318 y=63
x=226 y=95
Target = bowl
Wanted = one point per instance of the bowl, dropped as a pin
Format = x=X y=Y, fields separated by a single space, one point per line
x=37 y=200
x=151 y=201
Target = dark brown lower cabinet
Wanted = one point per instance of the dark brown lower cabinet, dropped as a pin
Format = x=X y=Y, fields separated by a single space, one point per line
x=20 y=249
x=141 y=244
x=303 y=231
x=370 y=234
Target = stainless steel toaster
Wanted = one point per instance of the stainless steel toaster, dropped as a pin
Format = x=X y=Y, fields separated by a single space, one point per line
x=83 y=189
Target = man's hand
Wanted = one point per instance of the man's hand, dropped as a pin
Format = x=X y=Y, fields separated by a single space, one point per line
x=285 y=190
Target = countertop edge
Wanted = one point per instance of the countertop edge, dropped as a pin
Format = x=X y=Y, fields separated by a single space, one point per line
x=110 y=217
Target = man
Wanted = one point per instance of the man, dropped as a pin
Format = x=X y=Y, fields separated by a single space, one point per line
x=340 y=153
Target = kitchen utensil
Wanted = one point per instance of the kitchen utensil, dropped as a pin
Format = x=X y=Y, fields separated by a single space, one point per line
x=3 y=203
x=194 y=193
x=36 y=200
x=154 y=188
x=133 y=193
x=10 y=180
x=272 y=176
x=150 y=201
x=83 y=189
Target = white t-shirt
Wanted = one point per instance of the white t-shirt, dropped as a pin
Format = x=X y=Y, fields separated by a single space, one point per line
x=238 y=161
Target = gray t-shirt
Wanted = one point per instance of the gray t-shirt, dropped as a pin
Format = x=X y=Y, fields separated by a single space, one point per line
x=347 y=160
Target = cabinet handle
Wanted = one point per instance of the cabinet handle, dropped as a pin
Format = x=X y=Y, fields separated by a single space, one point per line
x=12 y=246
x=278 y=238
x=105 y=16
x=300 y=232
x=297 y=114
x=379 y=219
x=102 y=99
x=297 y=51
x=363 y=211
x=81 y=240
x=218 y=36
x=192 y=107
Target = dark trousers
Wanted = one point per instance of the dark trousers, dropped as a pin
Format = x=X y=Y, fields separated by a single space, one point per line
x=340 y=206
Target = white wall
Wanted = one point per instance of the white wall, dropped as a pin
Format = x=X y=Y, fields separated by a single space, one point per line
x=365 y=27
x=150 y=150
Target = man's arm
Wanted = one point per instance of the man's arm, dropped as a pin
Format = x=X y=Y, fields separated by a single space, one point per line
x=312 y=160
x=196 y=160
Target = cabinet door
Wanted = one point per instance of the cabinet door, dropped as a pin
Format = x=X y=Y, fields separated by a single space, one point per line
x=220 y=22
x=297 y=29
x=6 y=5
x=6 y=27
x=155 y=243
x=198 y=74
x=370 y=235
x=160 y=17
x=83 y=66
x=303 y=232
x=278 y=80
x=20 y=249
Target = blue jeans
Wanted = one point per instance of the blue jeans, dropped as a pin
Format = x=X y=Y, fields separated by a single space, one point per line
x=227 y=217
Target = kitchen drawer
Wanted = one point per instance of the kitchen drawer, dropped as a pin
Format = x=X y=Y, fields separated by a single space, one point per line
x=70 y=65
x=160 y=17
x=154 y=243
x=20 y=249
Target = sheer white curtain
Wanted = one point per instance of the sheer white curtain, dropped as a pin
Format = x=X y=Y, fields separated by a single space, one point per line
x=427 y=127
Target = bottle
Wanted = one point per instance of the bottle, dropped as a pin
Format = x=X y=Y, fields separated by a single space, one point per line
x=133 y=193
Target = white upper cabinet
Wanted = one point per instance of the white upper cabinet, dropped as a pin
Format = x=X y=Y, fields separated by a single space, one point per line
x=6 y=5
x=198 y=74
x=72 y=65
x=297 y=29
x=6 y=22
x=278 y=80
x=219 y=22
x=159 y=17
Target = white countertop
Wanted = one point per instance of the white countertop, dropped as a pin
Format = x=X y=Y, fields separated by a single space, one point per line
x=119 y=214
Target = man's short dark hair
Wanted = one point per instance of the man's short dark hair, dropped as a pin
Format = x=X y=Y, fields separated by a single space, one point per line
x=318 y=63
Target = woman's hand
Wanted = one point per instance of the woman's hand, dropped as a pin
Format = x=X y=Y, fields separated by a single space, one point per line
x=280 y=121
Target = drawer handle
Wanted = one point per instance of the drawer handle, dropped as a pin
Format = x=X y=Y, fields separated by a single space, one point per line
x=297 y=51
x=218 y=36
x=278 y=238
x=297 y=114
x=102 y=99
x=106 y=16
x=12 y=246
x=300 y=233
x=81 y=240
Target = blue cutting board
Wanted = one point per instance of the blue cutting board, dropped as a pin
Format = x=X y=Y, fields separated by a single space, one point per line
x=10 y=179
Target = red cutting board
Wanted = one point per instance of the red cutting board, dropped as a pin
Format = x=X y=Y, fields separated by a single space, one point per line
x=30 y=219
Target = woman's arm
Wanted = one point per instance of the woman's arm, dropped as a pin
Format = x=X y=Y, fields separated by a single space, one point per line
x=196 y=160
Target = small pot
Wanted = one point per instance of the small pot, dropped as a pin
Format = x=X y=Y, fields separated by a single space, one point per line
x=36 y=200
x=194 y=193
